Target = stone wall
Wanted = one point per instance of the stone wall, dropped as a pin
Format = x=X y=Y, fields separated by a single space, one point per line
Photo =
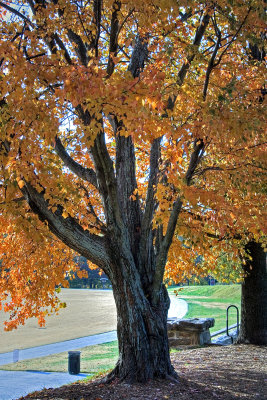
x=190 y=332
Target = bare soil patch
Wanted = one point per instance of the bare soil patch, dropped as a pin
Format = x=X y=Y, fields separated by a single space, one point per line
x=209 y=304
x=88 y=312
x=211 y=373
x=181 y=296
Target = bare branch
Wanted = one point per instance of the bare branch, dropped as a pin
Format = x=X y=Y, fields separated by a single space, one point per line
x=16 y=12
x=31 y=4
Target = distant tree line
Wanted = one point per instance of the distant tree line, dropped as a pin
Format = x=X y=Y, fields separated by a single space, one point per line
x=95 y=278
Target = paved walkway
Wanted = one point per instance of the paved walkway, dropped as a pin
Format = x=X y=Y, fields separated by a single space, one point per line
x=178 y=307
x=14 y=384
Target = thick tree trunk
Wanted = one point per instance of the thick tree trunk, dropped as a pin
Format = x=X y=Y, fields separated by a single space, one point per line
x=142 y=334
x=254 y=298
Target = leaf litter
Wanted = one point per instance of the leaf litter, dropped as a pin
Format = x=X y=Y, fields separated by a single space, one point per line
x=213 y=372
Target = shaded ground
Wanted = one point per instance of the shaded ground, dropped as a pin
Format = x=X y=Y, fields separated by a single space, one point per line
x=217 y=373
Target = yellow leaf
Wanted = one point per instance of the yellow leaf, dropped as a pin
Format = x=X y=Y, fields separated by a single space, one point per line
x=65 y=214
x=21 y=183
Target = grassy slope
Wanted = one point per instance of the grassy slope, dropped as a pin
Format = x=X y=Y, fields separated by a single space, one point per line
x=211 y=302
x=203 y=301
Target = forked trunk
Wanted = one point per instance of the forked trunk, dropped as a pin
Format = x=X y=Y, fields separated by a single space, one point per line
x=142 y=335
x=254 y=298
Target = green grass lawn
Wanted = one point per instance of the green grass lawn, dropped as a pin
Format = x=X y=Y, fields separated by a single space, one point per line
x=94 y=360
x=210 y=302
x=203 y=301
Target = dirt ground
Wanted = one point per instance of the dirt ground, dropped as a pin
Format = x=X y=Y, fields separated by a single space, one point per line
x=88 y=312
x=212 y=373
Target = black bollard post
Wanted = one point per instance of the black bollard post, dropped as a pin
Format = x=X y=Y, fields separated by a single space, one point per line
x=74 y=362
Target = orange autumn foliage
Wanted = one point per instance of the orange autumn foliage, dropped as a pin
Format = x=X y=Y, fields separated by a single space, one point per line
x=65 y=77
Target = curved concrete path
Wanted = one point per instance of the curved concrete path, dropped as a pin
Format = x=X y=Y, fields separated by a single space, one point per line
x=14 y=384
x=55 y=348
x=178 y=307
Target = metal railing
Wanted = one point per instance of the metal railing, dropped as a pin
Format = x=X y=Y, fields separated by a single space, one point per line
x=224 y=330
x=229 y=328
x=237 y=321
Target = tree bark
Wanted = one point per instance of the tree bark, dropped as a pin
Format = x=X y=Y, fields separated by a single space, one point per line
x=142 y=333
x=254 y=298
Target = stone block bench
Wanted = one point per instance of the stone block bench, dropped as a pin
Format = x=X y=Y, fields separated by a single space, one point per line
x=190 y=332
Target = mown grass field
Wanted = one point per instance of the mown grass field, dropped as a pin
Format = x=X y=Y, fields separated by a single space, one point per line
x=88 y=312
x=203 y=301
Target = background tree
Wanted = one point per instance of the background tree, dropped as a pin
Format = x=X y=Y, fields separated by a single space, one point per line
x=254 y=296
x=87 y=276
x=254 y=286
x=250 y=265
x=120 y=121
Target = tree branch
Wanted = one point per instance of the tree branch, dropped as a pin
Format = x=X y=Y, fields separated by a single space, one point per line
x=185 y=67
x=203 y=171
x=164 y=249
x=16 y=12
x=97 y=16
x=125 y=19
x=167 y=240
x=80 y=47
x=197 y=40
x=107 y=183
x=17 y=200
x=195 y=159
x=62 y=47
x=211 y=64
x=114 y=32
x=233 y=39
x=150 y=195
x=139 y=56
x=68 y=230
x=87 y=174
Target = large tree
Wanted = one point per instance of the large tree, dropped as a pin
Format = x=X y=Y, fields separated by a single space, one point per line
x=254 y=297
x=254 y=286
x=121 y=124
